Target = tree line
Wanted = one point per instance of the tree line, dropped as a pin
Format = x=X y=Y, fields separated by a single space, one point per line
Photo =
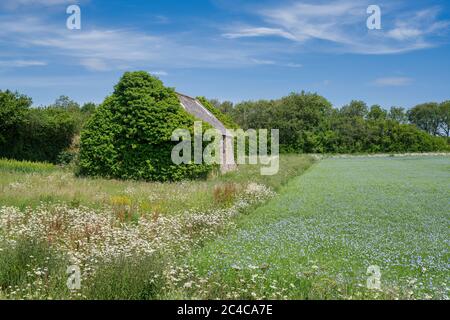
x=39 y=134
x=309 y=123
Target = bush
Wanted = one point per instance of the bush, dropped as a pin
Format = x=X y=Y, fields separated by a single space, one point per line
x=34 y=134
x=129 y=135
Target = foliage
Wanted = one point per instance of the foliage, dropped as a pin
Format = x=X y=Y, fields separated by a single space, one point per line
x=226 y=120
x=398 y=114
x=35 y=134
x=445 y=118
x=308 y=124
x=129 y=135
x=225 y=107
x=13 y=108
x=426 y=116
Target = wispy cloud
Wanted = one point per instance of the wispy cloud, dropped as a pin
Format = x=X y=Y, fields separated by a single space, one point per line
x=94 y=64
x=16 y=4
x=100 y=49
x=259 y=32
x=418 y=25
x=393 y=81
x=159 y=73
x=21 y=63
x=341 y=26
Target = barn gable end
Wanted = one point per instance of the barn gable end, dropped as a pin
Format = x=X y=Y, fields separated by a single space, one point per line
x=195 y=108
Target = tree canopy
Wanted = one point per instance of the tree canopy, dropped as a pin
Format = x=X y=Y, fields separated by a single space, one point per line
x=129 y=135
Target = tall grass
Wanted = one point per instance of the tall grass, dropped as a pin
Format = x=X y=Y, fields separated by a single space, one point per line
x=8 y=165
x=32 y=270
x=126 y=278
x=23 y=188
x=183 y=215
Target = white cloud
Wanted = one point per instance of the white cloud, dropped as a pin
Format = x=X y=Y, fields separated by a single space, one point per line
x=160 y=73
x=341 y=26
x=393 y=81
x=21 y=63
x=294 y=65
x=259 y=32
x=400 y=33
x=16 y=4
x=102 y=49
x=417 y=25
x=94 y=64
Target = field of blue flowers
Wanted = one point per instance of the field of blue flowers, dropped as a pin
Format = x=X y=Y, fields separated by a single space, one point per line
x=326 y=232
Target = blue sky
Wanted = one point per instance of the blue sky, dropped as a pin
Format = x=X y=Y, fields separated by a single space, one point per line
x=230 y=49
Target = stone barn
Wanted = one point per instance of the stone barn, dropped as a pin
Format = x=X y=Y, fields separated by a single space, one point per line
x=195 y=108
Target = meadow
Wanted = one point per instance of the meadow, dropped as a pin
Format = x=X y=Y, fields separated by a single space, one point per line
x=51 y=219
x=310 y=232
x=319 y=237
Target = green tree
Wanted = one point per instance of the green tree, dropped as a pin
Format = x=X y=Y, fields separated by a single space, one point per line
x=88 y=108
x=444 y=109
x=356 y=108
x=129 y=135
x=376 y=113
x=64 y=102
x=398 y=114
x=13 y=109
x=226 y=120
x=426 y=116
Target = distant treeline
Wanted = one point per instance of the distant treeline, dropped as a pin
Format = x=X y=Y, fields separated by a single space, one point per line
x=308 y=123
x=39 y=134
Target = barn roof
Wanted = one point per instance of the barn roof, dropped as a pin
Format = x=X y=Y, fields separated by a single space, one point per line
x=195 y=108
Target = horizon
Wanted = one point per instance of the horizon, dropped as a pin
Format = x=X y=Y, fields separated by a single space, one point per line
x=231 y=51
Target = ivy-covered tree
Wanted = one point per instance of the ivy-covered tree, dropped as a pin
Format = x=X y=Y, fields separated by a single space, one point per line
x=129 y=135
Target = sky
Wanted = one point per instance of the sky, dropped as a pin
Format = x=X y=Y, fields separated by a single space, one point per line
x=230 y=49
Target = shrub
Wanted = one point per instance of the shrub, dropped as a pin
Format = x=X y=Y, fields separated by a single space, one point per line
x=129 y=135
x=35 y=134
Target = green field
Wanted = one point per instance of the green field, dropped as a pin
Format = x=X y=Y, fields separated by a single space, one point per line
x=310 y=232
x=318 y=238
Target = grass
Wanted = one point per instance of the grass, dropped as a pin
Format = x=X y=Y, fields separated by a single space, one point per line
x=13 y=166
x=125 y=236
x=31 y=269
x=25 y=184
x=317 y=239
x=223 y=238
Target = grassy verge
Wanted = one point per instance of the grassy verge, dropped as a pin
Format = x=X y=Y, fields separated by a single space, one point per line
x=25 y=184
x=320 y=236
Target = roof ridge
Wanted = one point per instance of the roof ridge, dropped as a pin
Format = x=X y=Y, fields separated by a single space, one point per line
x=184 y=95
